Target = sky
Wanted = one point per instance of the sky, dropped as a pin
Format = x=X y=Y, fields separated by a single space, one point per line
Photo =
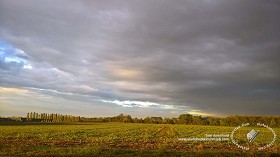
x=144 y=58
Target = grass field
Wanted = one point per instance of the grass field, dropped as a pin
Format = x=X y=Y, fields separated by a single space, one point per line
x=122 y=139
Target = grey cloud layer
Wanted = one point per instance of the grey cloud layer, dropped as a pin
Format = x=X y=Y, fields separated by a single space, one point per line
x=212 y=55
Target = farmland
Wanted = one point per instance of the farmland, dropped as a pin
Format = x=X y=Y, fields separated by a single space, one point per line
x=120 y=139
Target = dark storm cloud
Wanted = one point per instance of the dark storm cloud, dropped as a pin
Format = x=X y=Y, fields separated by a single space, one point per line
x=217 y=56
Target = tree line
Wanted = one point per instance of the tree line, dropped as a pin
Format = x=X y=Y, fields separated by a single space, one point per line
x=273 y=121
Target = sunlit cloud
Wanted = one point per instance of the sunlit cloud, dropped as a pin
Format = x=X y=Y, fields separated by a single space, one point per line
x=127 y=73
x=200 y=113
x=13 y=90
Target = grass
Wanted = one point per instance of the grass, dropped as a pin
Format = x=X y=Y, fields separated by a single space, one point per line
x=122 y=139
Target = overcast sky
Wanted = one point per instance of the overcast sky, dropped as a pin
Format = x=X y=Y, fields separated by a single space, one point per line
x=143 y=58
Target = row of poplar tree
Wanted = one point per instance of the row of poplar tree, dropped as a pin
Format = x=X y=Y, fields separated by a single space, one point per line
x=53 y=117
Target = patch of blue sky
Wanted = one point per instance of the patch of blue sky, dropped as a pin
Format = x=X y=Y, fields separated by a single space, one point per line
x=9 y=54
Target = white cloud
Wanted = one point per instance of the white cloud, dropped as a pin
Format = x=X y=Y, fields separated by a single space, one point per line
x=51 y=90
x=141 y=104
x=28 y=66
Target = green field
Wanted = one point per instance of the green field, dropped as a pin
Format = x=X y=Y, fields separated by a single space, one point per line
x=122 y=139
